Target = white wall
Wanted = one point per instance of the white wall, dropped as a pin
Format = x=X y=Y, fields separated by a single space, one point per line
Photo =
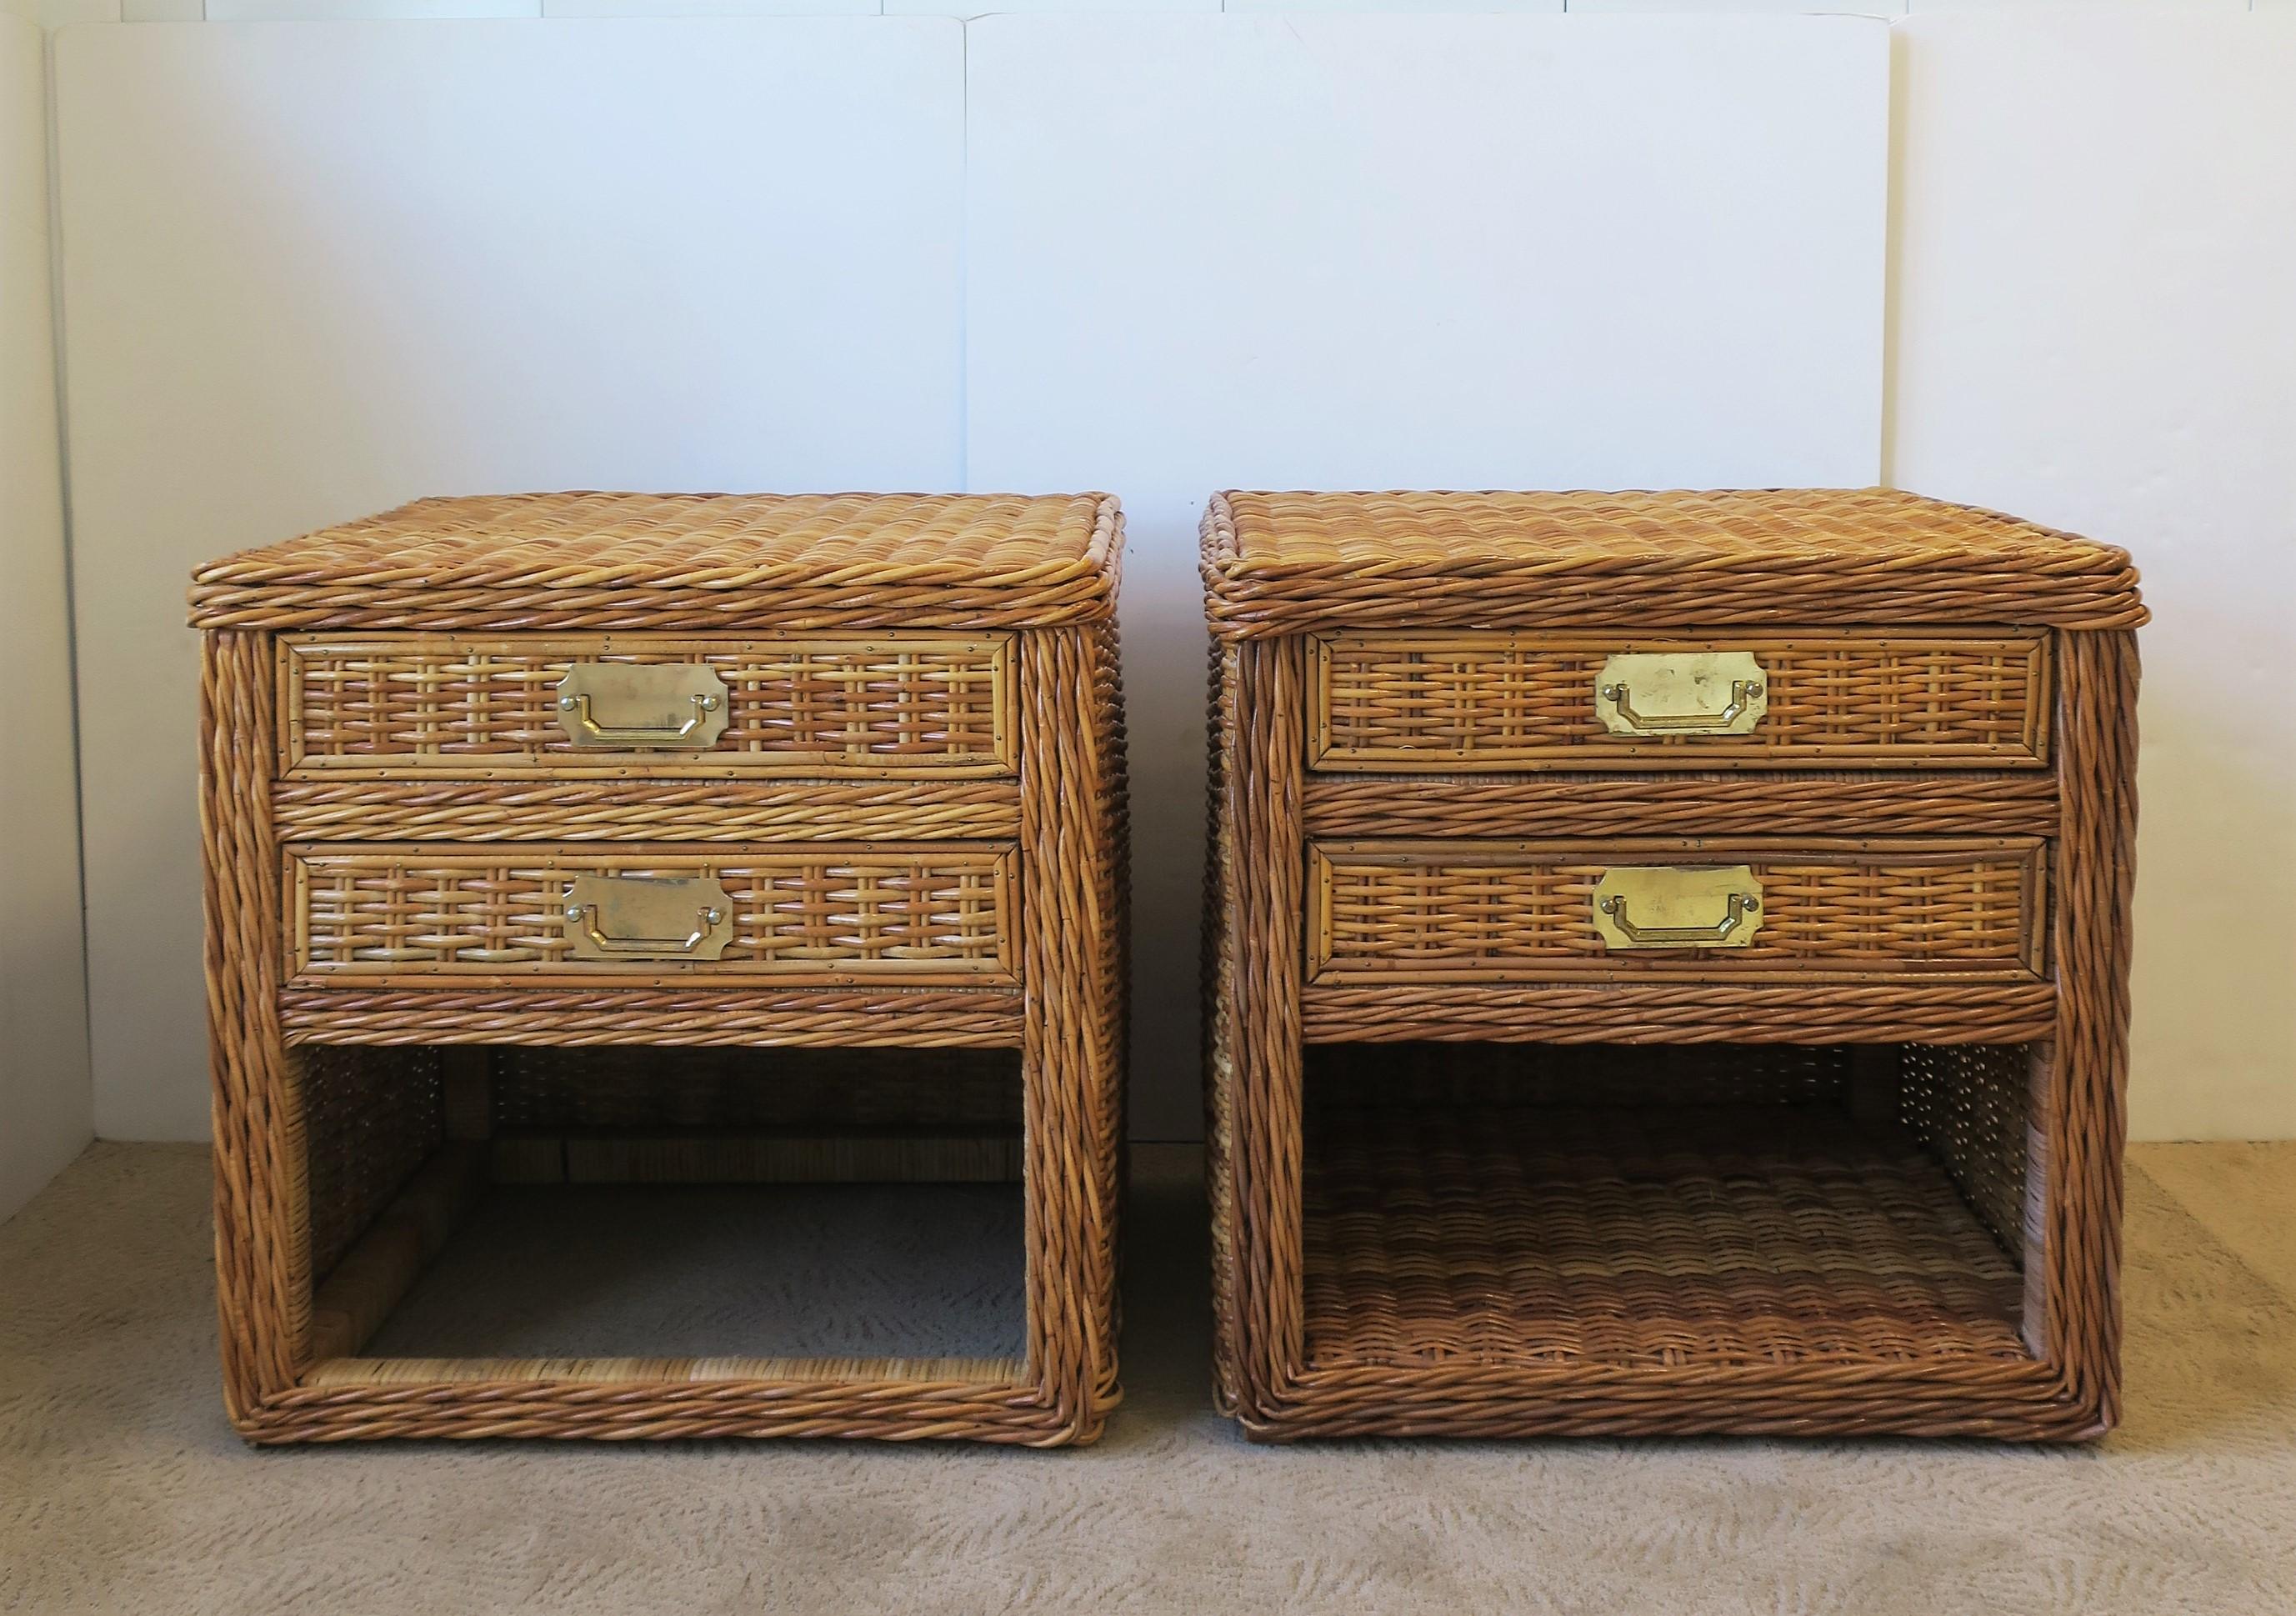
x=2095 y=326
x=44 y=1067
x=1362 y=252
x=314 y=269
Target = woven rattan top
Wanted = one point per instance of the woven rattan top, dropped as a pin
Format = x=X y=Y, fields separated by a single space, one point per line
x=1282 y=564
x=684 y=561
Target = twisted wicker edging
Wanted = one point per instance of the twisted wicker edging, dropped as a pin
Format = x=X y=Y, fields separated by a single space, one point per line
x=1265 y=805
x=1066 y=809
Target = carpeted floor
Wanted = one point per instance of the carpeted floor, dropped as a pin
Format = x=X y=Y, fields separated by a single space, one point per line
x=122 y=1490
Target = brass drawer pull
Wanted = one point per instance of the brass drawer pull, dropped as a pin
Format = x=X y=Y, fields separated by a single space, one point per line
x=1677 y=692
x=688 y=698
x=630 y=917
x=1665 y=896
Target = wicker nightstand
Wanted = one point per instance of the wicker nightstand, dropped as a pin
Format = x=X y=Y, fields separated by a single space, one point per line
x=1666 y=965
x=606 y=839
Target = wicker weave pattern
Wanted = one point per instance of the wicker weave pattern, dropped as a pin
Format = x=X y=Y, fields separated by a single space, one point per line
x=1689 y=1238
x=1925 y=1244
x=1971 y=1106
x=370 y=1120
x=1290 y=563
x=581 y=561
x=2023 y=804
x=1014 y=881
x=1481 y=701
x=585 y=811
x=920 y=914
x=1458 y=912
x=928 y=704
x=815 y=1092
x=713 y=1018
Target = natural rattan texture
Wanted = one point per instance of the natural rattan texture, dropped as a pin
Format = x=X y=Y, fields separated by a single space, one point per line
x=825 y=913
x=899 y=703
x=721 y=562
x=1415 y=701
x=1290 y=563
x=1463 y=911
x=1913 y=1230
x=926 y=975
x=1686 y=1238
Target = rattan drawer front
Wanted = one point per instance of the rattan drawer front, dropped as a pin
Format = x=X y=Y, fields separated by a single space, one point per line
x=889 y=704
x=1407 y=911
x=1439 y=702
x=823 y=916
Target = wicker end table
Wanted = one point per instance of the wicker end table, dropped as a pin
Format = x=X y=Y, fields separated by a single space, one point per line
x=607 y=839
x=1667 y=965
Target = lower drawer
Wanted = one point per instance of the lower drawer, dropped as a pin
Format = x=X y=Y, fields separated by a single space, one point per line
x=1802 y=909
x=830 y=915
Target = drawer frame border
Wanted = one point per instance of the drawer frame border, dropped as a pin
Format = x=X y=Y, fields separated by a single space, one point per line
x=1608 y=753
x=1685 y=964
x=1001 y=862
x=1260 y=1013
x=708 y=763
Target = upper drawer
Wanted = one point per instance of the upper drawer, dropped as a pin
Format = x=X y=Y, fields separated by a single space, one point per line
x=1431 y=701
x=377 y=916
x=887 y=705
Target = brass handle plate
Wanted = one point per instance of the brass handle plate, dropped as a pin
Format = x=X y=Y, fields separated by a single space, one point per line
x=1681 y=692
x=646 y=705
x=638 y=917
x=1668 y=907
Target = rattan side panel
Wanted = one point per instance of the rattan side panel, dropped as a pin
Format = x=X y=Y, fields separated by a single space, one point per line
x=371 y=1116
x=1970 y=1105
x=1430 y=912
x=2085 y=1095
x=1455 y=700
x=892 y=703
x=262 y=1211
x=1256 y=1074
x=831 y=914
x=1072 y=781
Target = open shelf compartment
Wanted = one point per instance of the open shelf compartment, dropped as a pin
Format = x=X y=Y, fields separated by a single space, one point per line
x=1670 y=1208
x=663 y=1214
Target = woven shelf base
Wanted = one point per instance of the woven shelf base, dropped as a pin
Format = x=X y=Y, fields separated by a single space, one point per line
x=1659 y=1236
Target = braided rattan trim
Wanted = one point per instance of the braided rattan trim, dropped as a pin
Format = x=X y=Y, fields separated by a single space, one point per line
x=2003 y=804
x=1433 y=699
x=1074 y=827
x=721 y=562
x=2061 y=1385
x=262 y=1210
x=1443 y=911
x=1289 y=563
x=576 y=810
x=899 y=704
x=1681 y=1013
x=940 y=913
x=804 y=1018
x=661 y=1410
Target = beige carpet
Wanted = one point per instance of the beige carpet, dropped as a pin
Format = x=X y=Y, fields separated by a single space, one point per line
x=122 y=1489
